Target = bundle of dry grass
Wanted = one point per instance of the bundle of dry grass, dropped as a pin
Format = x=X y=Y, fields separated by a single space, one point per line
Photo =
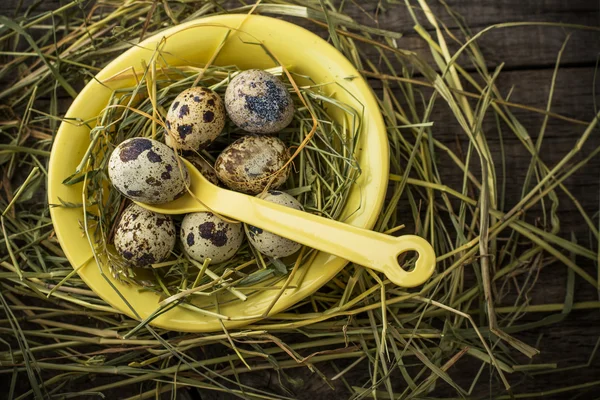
x=61 y=338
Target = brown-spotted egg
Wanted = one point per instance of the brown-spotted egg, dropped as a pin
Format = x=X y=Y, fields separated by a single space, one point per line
x=195 y=118
x=147 y=171
x=268 y=243
x=204 y=235
x=258 y=102
x=143 y=237
x=248 y=164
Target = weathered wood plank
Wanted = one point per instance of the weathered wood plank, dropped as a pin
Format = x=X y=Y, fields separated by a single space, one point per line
x=479 y=14
x=573 y=97
x=394 y=15
x=517 y=47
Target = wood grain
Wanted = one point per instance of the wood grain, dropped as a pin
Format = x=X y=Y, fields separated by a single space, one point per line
x=529 y=54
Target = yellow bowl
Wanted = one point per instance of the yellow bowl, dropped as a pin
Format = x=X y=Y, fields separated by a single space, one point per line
x=194 y=43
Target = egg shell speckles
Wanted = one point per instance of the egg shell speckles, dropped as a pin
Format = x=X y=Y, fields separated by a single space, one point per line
x=248 y=164
x=258 y=102
x=195 y=118
x=207 y=170
x=204 y=235
x=144 y=237
x=268 y=243
x=147 y=171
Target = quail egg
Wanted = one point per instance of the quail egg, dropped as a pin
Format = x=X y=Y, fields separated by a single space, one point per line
x=143 y=237
x=204 y=235
x=147 y=171
x=268 y=243
x=196 y=117
x=205 y=168
x=247 y=165
x=258 y=102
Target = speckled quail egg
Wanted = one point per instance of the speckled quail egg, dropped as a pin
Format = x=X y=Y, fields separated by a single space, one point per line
x=204 y=235
x=205 y=168
x=258 y=102
x=143 y=237
x=147 y=171
x=268 y=243
x=247 y=165
x=196 y=117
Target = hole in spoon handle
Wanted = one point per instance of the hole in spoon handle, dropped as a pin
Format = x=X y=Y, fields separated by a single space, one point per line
x=424 y=266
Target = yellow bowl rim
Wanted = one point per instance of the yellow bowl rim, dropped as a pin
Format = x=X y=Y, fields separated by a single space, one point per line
x=273 y=24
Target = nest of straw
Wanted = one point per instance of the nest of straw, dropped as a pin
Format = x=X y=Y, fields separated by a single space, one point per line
x=324 y=170
x=359 y=334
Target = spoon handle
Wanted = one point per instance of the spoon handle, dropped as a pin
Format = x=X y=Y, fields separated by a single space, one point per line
x=370 y=249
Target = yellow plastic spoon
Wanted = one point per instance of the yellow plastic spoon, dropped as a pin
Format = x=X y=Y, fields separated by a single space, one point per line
x=373 y=250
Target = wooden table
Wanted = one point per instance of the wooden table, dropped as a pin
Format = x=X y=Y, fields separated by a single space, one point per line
x=529 y=55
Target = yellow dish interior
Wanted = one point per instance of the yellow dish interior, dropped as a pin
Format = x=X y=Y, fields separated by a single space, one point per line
x=194 y=43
